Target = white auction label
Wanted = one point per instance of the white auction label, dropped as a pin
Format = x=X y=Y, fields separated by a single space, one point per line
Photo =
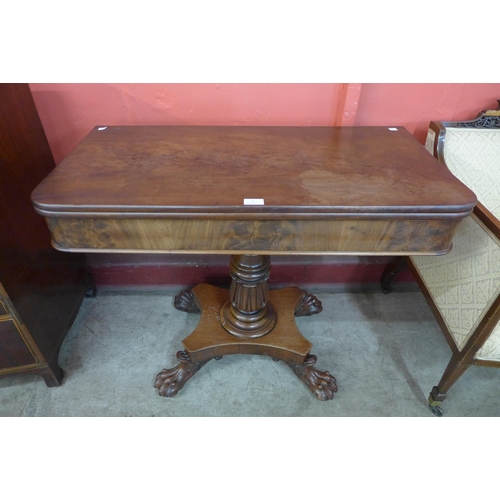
x=253 y=201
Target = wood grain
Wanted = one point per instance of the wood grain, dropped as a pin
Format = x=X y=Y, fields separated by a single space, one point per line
x=326 y=190
x=209 y=339
x=343 y=237
x=188 y=171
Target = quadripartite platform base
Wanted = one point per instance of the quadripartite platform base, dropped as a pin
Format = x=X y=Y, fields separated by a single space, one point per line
x=210 y=340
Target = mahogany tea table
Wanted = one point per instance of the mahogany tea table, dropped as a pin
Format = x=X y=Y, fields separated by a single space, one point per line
x=251 y=192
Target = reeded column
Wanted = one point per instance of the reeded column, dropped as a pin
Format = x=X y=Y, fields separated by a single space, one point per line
x=247 y=313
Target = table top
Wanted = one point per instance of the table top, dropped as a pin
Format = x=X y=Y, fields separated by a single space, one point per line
x=262 y=172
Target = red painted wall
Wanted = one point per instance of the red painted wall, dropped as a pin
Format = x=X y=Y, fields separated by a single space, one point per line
x=415 y=105
x=69 y=111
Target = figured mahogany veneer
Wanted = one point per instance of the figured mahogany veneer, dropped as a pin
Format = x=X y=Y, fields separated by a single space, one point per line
x=182 y=189
x=319 y=190
x=360 y=237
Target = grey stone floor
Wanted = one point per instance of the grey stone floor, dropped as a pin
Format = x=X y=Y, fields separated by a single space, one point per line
x=386 y=352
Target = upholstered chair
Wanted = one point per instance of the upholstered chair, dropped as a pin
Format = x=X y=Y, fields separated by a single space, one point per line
x=463 y=287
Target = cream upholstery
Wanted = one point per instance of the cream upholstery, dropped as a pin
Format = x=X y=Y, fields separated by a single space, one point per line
x=464 y=283
x=491 y=348
x=473 y=155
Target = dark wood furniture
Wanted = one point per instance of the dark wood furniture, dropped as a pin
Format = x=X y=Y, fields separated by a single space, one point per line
x=463 y=288
x=251 y=192
x=40 y=289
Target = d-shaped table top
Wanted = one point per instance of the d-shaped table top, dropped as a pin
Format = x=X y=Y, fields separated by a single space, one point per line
x=262 y=189
x=192 y=170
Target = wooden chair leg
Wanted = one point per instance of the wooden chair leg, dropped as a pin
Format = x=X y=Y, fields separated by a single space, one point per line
x=438 y=394
x=393 y=267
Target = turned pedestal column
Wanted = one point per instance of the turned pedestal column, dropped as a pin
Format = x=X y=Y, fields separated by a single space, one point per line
x=247 y=313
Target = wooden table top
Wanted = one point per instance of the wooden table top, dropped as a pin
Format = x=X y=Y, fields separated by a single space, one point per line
x=313 y=172
x=322 y=190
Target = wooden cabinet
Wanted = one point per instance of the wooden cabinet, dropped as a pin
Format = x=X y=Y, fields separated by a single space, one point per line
x=17 y=347
x=41 y=289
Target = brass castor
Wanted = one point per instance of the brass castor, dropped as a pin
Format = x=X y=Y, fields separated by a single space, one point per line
x=436 y=410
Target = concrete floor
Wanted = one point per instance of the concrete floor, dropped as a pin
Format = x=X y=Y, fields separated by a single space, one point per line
x=386 y=352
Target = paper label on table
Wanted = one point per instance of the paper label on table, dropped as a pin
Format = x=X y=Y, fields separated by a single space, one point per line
x=102 y=128
x=393 y=129
x=253 y=201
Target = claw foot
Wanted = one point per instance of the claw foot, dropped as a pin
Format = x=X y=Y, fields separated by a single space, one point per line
x=185 y=301
x=320 y=383
x=170 y=381
x=310 y=305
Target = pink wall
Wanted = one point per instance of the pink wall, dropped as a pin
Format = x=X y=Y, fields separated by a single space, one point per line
x=69 y=111
x=415 y=105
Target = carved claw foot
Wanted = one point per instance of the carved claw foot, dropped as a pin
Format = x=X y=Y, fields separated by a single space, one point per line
x=185 y=301
x=310 y=305
x=320 y=383
x=171 y=380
